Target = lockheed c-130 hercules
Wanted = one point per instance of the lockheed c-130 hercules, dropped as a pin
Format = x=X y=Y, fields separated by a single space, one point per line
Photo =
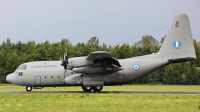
x=99 y=69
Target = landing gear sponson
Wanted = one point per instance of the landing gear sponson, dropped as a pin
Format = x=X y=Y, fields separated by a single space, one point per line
x=94 y=88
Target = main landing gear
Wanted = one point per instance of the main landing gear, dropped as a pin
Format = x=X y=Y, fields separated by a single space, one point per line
x=29 y=88
x=94 y=88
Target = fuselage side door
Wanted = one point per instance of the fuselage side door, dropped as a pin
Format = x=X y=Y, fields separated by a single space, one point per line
x=38 y=80
x=120 y=76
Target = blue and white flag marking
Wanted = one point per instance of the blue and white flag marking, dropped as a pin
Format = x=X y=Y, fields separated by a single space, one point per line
x=176 y=44
x=136 y=67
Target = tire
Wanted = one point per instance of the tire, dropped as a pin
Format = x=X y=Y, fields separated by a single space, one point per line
x=87 y=88
x=29 y=88
x=97 y=88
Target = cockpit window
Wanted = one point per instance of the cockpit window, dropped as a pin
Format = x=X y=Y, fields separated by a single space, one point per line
x=22 y=67
x=20 y=73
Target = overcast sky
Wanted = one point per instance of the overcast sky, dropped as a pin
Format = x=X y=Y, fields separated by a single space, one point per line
x=112 y=21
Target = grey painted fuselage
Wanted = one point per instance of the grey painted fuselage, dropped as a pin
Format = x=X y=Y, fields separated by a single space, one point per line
x=51 y=73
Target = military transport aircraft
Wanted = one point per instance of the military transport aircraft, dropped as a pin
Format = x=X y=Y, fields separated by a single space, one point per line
x=99 y=69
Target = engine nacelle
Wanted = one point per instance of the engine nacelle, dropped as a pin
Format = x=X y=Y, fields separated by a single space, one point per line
x=79 y=62
x=94 y=70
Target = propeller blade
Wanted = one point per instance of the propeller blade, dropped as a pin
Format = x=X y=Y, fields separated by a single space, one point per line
x=66 y=57
x=66 y=53
x=65 y=60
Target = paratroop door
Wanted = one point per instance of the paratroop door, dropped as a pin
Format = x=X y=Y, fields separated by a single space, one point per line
x=120 y=76
x=38 y=80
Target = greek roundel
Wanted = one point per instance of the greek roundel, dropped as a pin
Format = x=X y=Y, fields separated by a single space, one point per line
x=136 y=67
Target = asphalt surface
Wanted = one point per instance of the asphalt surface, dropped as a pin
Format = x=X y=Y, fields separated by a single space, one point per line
x=102 y=92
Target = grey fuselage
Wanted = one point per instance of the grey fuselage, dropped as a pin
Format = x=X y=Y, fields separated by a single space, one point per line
x=52 y=74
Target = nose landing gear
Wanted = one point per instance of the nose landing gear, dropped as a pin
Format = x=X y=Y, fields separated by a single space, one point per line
x=29 y=88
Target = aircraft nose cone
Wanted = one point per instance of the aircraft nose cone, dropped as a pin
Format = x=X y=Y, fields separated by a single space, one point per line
x=11 y=78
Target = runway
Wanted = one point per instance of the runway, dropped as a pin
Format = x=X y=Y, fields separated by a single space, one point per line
x=102 y=92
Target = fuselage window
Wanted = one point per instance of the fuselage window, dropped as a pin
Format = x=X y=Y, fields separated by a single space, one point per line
x=58 y=76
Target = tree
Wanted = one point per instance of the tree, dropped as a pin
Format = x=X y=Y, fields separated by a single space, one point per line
x=197 y=51
x=93 y=41
x=162 y=39
x=147 y=41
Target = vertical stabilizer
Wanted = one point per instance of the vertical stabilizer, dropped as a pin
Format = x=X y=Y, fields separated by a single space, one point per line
x=178 y=43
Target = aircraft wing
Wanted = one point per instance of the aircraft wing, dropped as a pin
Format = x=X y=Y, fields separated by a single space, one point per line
x=98 y=55
x=98 y=62
x=102 y=56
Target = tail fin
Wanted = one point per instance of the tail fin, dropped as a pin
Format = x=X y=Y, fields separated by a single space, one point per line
x=178 y=44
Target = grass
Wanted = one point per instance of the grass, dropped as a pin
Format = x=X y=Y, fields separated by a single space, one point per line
x=112 y=88
x=99 y=103
x=95 y=102
x=7 y=85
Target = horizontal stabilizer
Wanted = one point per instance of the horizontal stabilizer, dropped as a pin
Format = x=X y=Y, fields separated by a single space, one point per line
x=181 y=59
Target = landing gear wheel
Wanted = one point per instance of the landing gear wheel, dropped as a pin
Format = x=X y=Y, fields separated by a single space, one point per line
x=97 y=88
x=28 y=88
x=87 y=88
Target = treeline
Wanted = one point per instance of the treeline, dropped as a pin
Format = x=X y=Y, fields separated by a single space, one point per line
x=14 y=54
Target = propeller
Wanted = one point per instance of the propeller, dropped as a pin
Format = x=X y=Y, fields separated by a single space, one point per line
x=65 y=61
